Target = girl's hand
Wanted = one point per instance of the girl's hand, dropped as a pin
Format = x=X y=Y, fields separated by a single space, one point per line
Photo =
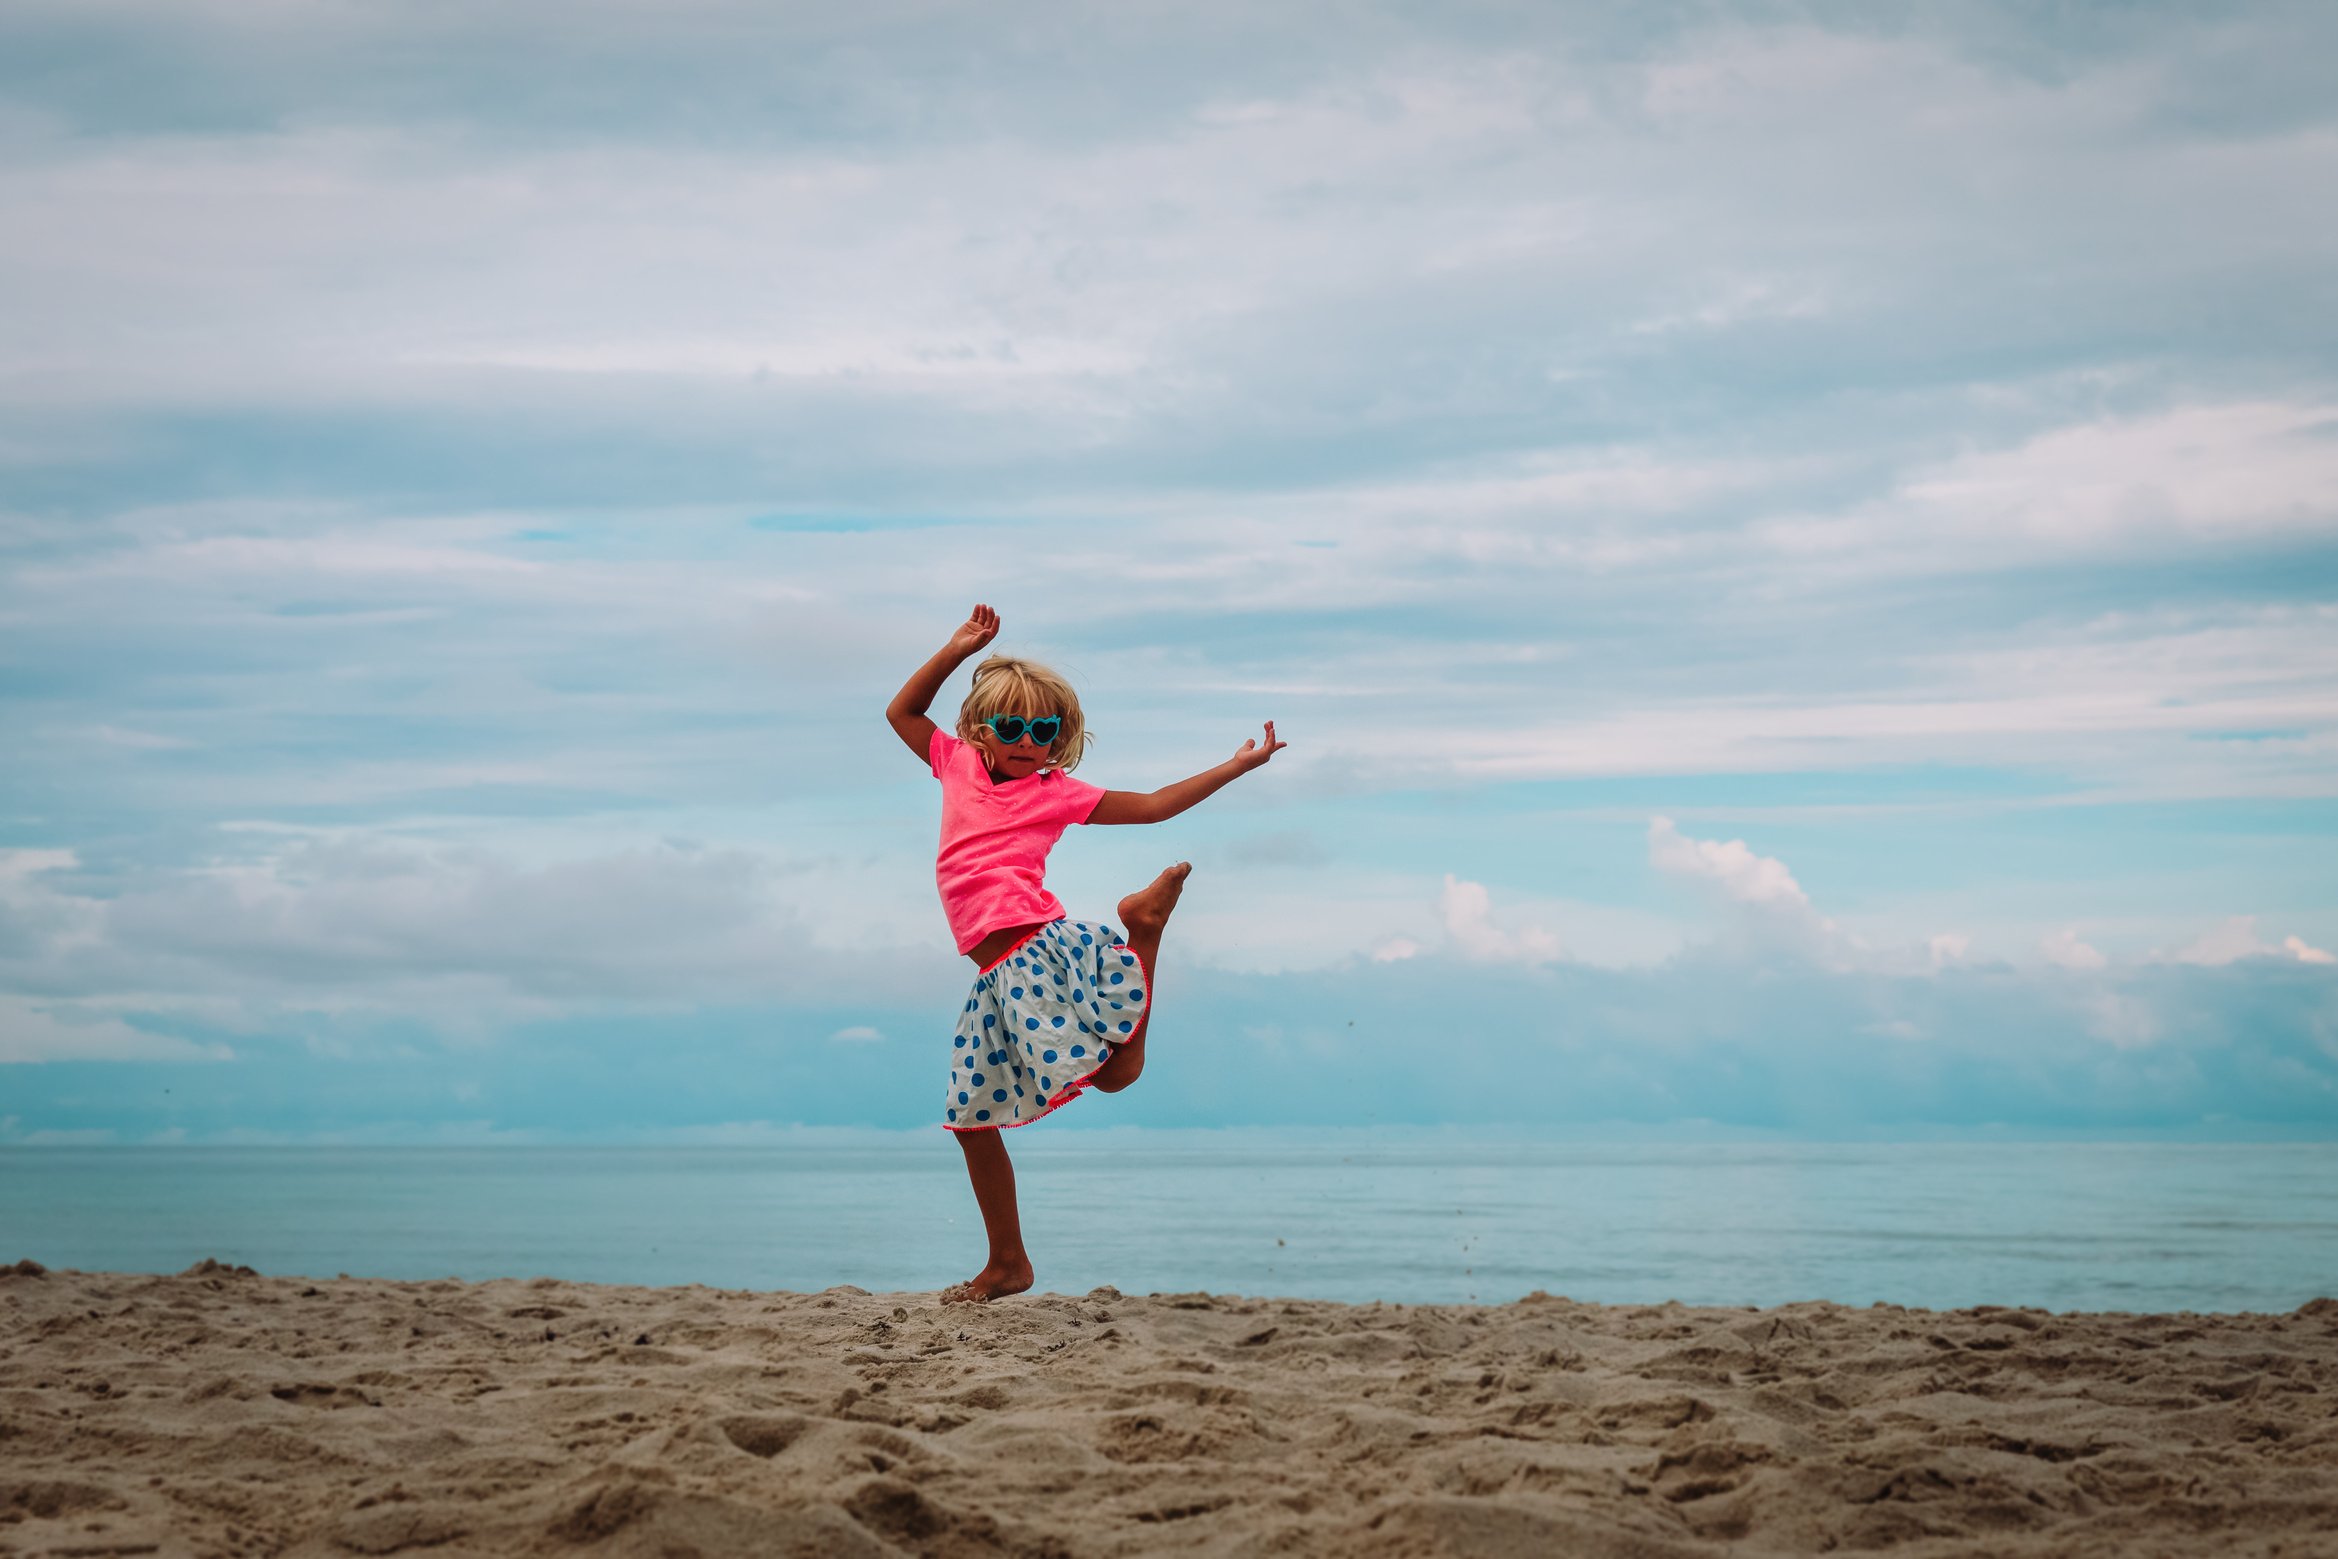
x=978 y=630
x=1250 y=755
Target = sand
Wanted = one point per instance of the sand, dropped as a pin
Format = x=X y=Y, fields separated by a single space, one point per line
x=218 y=1411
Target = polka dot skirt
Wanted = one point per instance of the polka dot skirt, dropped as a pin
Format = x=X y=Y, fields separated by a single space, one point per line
x=1038 y=1024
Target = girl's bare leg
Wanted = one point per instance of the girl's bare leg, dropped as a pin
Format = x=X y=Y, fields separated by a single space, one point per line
x=1145 y=913
x=993 y=1174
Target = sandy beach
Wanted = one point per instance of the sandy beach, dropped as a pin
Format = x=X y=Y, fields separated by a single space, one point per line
x=216 y=1411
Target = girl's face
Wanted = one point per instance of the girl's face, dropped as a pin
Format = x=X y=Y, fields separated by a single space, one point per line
x=1011 y=760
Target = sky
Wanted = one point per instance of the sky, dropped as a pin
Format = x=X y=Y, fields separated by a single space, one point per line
x=1795 y=548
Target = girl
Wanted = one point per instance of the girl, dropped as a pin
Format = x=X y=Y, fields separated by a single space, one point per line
x=1059 y=1004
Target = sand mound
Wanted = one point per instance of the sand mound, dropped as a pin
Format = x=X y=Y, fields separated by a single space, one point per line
x=220 y=1411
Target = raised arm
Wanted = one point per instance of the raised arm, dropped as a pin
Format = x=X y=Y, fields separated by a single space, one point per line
x=906 y=714
x=1152 y=806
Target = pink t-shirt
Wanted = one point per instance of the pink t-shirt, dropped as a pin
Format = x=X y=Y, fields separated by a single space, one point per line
x=992 y=869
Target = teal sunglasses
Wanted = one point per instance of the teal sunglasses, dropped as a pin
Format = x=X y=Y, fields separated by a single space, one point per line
x=1012 y=728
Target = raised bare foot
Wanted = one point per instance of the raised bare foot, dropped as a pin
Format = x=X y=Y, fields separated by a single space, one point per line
x=992 y=1282
x=1148 y=908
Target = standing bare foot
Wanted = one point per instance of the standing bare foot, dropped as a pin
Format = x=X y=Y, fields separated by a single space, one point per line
x=1146 y=911
x=992 y=1282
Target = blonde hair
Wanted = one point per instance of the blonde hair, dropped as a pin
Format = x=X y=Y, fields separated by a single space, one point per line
x=1010 y=685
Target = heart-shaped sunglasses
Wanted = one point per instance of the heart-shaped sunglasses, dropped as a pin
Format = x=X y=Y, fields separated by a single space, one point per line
x=1011 y=729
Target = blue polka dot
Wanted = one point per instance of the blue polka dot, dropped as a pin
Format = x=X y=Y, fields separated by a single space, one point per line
x=1047 y=1055
x=953 y=1115
x=1077 y=995
x=1135 y=995
x=1030 y=1023
x=998 y=1095
x=1117 y=978
x=1128 y=960
x=1087 y=940
x=982 y=1115
x=1125 y=1027
x=1043 y=1085
x=990 y=1020
x=970 y=1006
x=978 y=1079
x=997 y=1057
x=1079 y=1050
x=1018 y=1090
x=958 y=1042
x=961 y=1098
x=1058 y=1020
x=1017 y=993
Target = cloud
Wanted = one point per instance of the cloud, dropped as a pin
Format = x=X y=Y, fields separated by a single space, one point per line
x=2236 y=939
x=1469 y=927
x=2121 y=1020
x=1772 y=917
x=2221 y=474
x=16 y=865
x=1559 y=419
x=33 y=1031
x=857 y=1034
x=457 y=936
x=2224 y=700
x=2064 y=950
x=1733 y=867
x=1781 y=1046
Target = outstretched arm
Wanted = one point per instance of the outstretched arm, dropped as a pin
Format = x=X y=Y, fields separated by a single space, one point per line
x=906 y=714
x=1152 y=806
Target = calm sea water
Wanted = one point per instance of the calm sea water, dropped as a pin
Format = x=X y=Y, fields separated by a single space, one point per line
x=1336 y=1215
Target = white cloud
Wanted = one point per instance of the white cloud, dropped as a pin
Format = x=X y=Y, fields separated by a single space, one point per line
x=2207 y=473
x=2236 y=938
x=17 y=864
x=1732 y=866
x=1363 y=347
x=2206 y=702
x=1773 y=917
x=458 y=936
x=2064 y=949
x=64 y=1031
x=1468 y=913
x=857 y=1034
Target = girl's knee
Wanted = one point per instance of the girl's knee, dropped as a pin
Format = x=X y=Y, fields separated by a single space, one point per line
x=1125 y=1067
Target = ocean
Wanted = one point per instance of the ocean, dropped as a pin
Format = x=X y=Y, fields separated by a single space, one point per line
x=1351 y=1214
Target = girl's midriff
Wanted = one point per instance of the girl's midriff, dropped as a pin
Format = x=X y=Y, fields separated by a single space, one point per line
x=998 y=943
